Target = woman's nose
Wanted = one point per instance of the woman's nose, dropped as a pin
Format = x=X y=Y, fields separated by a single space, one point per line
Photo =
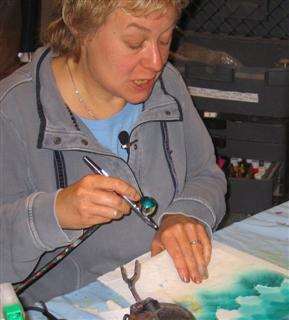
x=154 y=58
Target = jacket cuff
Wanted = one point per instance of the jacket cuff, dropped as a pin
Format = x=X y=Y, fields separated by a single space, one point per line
x=44 y=225
x=194 y=208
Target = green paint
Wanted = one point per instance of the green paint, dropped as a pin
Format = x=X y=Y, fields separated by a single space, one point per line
x=256 y=295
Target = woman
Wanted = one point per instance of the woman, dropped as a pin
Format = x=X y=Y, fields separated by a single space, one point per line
x=106 y=72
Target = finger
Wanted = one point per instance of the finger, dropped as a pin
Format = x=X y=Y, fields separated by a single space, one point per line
x=197 y=250
x=206 y=243
x=100 y=214
x=109 y=199
x=156 y=247
x=198 y=244
x=114 y=184
x=106 y=213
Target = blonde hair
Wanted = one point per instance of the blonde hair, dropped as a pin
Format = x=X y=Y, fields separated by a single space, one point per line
x=76 y=18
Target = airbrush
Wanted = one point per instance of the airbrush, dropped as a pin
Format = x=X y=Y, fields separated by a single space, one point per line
x=144 y=208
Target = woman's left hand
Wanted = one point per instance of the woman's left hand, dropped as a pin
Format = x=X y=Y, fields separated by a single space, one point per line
x=187 y=242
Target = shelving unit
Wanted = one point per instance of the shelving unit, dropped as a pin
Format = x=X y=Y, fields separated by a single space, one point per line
x=234 y=57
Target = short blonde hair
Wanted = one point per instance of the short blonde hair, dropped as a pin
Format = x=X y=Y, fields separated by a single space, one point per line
x=77 y=18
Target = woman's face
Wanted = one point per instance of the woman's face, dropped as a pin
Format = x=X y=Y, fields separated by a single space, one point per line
x=126 y=55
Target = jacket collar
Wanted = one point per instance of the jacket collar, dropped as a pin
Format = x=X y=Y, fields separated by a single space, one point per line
x=57 y=129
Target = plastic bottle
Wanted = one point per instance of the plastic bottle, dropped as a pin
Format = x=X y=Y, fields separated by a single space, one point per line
x=10 y=306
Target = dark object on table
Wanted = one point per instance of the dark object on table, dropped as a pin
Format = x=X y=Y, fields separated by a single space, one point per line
x=150 y=309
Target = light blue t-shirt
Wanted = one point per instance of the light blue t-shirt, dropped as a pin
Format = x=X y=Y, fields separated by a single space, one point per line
x=107 y=130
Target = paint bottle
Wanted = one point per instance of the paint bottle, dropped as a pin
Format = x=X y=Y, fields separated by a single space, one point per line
x=10 y=306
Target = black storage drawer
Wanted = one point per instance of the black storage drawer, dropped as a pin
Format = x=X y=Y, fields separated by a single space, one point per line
x=255 y=140
x=249 y=196
x=250 y=131
x=245 y=92
x=253 y=150
x=236 y=76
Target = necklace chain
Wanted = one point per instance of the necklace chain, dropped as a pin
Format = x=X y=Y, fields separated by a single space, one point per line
x=78 y=94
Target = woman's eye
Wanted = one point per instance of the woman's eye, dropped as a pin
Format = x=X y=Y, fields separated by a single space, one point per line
x=165 y=42
x=134 y=45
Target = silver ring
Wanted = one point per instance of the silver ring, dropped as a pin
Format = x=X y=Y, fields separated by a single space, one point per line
x=194 y=242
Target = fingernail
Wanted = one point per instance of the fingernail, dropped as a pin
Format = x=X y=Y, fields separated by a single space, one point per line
x=206 y=275
x=204 y=272
x=197 y=278
x=184 y=277
x=117 y=214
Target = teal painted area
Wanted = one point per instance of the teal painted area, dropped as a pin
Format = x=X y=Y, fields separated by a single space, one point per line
x=258 y=294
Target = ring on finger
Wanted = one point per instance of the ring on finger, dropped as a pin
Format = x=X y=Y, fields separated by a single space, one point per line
x=195 y=242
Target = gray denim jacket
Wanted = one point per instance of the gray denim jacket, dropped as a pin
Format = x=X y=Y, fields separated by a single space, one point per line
x=173 y=161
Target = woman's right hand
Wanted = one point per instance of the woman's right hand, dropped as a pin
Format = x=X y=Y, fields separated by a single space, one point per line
x=93 y=200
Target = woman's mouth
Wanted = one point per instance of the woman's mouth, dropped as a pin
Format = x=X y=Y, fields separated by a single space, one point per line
x=144 y=83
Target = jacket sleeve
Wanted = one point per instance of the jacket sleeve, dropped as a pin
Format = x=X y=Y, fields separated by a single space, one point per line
x=203 y=193
x=28 y=225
